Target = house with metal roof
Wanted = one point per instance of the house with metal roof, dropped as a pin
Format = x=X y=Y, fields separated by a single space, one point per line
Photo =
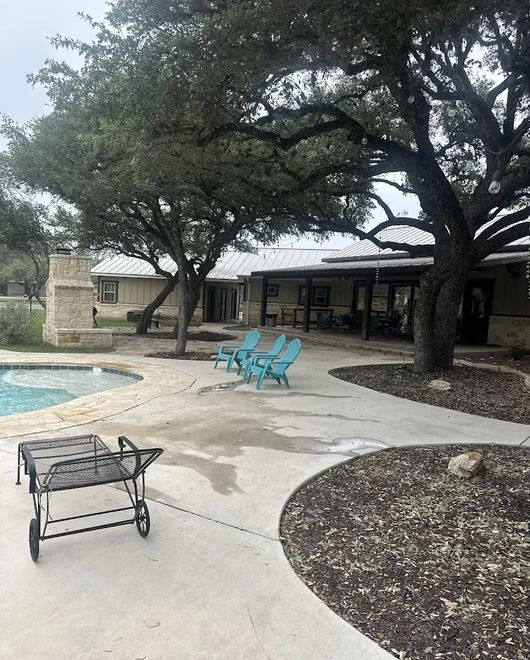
x=360 y=289
x=126 y=283
x=370 y=291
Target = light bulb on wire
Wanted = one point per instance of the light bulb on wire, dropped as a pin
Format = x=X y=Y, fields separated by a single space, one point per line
x=495 y=186
x=411 y=98
x=364 y=140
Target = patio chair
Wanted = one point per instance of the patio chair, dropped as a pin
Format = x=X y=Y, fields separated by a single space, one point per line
x=238 y=351
x=343 y=322
x=324 y=321
x=275 y=368
x=251 y=357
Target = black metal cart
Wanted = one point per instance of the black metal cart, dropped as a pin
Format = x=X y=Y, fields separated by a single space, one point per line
x=56 y=464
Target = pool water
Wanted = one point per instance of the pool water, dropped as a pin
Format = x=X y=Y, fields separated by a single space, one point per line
x=32 y=388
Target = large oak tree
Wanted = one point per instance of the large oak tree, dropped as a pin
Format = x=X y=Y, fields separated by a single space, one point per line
x=431 y=97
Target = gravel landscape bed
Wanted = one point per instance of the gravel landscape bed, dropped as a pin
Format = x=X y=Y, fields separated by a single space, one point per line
x=478 y=391
x=200 y=356
x=426 y=564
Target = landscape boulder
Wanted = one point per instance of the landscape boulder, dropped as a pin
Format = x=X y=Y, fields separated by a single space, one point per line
x=467 y=465
x=439 y=384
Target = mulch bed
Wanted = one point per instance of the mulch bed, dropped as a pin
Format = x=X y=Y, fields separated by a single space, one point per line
x=199 y=335
x=199 y=356
x=426 y=564
x=477 y=391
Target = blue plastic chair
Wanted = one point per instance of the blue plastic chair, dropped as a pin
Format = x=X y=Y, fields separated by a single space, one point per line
x=275 y=368
x=252 y=357
x=239 y=351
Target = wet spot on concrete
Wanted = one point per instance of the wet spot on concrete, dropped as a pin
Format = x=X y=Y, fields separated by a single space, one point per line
x=356 y=445
x=221 y=387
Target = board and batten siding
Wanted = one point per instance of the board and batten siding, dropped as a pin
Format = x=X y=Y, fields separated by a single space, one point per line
x=138 y=291
x=340 y=295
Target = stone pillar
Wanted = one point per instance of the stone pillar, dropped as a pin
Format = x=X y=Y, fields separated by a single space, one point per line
x=69 y=303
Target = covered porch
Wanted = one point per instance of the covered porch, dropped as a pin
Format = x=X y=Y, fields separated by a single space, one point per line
x=374 y=299
x=375 y=303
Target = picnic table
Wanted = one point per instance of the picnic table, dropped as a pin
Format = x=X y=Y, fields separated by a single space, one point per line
x=299 y=311
x=133 y=316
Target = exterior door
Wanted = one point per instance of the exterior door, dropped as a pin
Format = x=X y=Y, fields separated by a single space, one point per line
x=211 y=304
x=476 y=310
x=222 y=306
x=233 y=304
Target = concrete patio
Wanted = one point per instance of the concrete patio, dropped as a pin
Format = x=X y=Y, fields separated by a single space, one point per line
x=211 y=581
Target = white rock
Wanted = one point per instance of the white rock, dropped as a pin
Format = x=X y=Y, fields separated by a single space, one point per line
x=439 y=384
x=467 y=465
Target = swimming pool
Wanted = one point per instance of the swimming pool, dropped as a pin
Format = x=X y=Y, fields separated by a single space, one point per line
x=26 y=387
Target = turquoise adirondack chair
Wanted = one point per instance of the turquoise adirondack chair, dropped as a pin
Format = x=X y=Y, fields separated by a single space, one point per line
x=275 y=368
x=238 y=351
x=252 y=357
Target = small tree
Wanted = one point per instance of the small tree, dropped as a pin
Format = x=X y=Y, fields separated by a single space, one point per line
x=147 y=194
x=24 y=244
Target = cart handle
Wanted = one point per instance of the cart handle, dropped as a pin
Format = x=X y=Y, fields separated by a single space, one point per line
x=30 y=464
x=124 y=440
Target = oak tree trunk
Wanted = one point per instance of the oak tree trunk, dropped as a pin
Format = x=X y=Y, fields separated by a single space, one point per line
x=436 y=316
x=446 y=320
x=190 y=293
x=424 y=323
x=147 y=314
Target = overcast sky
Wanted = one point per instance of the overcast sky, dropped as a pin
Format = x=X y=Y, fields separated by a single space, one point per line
x=25 y=29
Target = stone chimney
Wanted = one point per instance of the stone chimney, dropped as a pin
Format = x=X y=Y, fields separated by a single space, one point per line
x=69 y=303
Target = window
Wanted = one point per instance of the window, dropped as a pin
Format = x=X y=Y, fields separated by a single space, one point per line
x=320 y=296
x=272 y=290
x=109 y=292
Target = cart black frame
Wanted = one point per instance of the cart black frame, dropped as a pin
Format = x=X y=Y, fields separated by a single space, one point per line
x=81 y=461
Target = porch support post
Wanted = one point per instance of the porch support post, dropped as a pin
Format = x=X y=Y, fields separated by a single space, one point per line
x=264 y=290
x=355 y=298
x=367 y=311
x=307 y=302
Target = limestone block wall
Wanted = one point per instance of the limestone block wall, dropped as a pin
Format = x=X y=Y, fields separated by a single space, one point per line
x=69 y=303
x=506 y=330
x=119 y=311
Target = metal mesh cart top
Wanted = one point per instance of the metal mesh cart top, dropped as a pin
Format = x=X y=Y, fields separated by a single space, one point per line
x=58 y=464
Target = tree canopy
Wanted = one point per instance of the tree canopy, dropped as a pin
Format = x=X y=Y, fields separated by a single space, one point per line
x=214 y=122
x=430 y=97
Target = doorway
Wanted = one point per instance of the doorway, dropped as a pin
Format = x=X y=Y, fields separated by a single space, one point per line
x=476 y=310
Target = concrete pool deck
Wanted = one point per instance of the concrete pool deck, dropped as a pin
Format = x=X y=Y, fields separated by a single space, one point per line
x=155 y=381
x=211 y=581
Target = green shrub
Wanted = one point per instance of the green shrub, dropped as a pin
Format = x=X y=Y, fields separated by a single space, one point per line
x=15 y=325
x=518 y=350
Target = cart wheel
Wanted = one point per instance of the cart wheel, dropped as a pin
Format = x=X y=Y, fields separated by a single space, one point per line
x=143 y=521
x=34 y=533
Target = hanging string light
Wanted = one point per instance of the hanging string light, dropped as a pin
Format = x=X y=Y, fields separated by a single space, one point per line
x=495 y=185
x=378 y=265
x=528 y=265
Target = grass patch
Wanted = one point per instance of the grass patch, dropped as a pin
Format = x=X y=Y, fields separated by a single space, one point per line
x=38 y=317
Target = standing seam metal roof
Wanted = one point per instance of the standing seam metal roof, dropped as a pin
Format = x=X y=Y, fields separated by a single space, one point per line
x=228 y=268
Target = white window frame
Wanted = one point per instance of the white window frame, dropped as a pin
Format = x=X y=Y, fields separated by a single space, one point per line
x=114 y=292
